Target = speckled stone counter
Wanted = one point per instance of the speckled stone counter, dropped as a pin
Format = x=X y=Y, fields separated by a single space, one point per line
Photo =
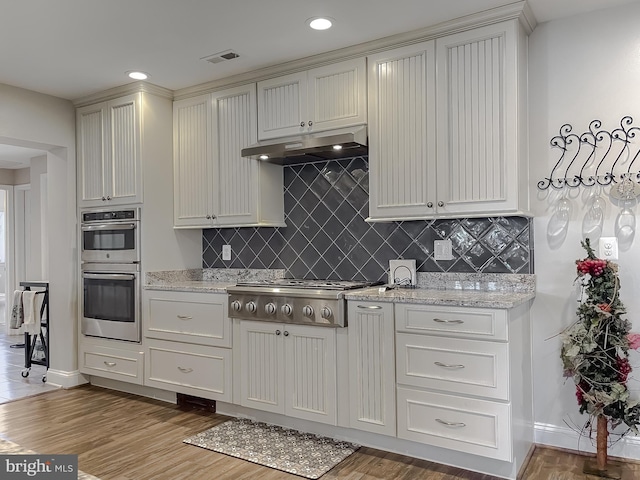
x=457 y=289
x=208 y=280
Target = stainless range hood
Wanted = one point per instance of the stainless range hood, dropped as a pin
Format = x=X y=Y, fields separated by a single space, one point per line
x=312 y=147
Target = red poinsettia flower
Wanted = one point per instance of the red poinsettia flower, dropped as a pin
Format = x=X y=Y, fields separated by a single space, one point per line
x=634 y=341
x=605 y=307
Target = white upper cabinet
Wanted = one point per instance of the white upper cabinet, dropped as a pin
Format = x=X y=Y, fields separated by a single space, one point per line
x=328 y=97
x=402 y=132
x=109 y=152
x=451 y=143
x=213 y=185
x=478 y=89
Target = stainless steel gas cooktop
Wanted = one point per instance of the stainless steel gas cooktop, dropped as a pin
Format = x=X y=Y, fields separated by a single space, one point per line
x=306 y=302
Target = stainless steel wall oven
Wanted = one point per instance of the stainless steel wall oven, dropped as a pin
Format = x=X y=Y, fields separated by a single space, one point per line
x=111 y=235
x=110 y=274
x=111 y=301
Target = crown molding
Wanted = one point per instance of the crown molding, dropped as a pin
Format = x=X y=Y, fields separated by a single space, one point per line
x=517 y=10
x=129 y=88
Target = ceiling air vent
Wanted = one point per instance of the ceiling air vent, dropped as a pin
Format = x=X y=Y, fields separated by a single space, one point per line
x=221 y=56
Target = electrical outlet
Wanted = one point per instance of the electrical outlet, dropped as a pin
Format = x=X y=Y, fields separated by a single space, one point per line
x=608 y=248
x=442 y=250
x=226 y=252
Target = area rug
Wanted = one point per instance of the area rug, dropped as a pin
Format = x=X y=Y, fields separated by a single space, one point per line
x=291 y=451
x=10 y=448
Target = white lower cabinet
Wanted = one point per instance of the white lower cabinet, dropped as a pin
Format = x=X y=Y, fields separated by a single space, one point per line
x=372 y=405
x=466 y=424
x=196 y=370
x=125 y=365
x=288 y=369
x=187 y=338
x=464 y=379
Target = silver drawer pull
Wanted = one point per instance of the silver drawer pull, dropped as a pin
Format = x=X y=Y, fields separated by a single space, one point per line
x=448 y=365
x=439 y=320
x=110 y=364
x=184 y=317
x=370 y=307
x=451 y=424
x=185 y=370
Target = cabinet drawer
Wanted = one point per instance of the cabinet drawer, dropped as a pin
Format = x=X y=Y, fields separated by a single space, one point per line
x=454 y=365
x=188 y=317
x=192 y=369
x=464 y=322
x=467 y=425
x=123 y=365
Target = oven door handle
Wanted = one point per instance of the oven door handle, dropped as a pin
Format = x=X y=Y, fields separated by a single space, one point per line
x=109 y=226
x=109 y=276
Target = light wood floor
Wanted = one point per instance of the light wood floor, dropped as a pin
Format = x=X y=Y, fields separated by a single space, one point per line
x=124 y=437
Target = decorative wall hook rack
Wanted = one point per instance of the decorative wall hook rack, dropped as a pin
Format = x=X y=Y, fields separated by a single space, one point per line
x=597 y=157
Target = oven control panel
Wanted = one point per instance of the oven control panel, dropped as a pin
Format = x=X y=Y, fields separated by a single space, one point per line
x=285 y=309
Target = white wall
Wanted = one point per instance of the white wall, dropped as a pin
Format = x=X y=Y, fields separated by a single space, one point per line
x=580 y=69
x=35 y=120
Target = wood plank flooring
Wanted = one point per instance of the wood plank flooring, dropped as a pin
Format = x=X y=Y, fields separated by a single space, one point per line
x=124 y=437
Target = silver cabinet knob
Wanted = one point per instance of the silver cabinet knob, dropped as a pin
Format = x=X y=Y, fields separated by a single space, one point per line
x=277 y=332
x=213 y=217
x=302 y=124
x=270 y=308
x=441 y=203
x=208 y=217
x=108 y=197
x=307 y=311
x=251 y=307
x=429 y=204
x=104 y=199
x=286 y=334
x=326 y=313
x=286 y=310
x=310 y=123
x=236 y=306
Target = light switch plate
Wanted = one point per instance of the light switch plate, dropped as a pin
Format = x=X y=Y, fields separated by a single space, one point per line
x=608 y=248
x=226 y=252
x=442 y=250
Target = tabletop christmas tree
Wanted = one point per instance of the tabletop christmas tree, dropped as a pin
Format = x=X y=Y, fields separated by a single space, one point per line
x=595 y=352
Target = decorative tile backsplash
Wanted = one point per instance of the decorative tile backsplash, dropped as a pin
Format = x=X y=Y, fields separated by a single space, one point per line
x=327 y=237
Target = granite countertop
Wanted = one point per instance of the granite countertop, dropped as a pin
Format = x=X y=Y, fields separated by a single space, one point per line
x=452 y=289
x=460 y=298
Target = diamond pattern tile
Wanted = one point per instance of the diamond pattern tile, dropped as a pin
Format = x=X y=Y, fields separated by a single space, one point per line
x=326 y=205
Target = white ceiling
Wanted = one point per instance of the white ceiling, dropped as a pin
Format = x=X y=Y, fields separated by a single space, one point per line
x=73 y=48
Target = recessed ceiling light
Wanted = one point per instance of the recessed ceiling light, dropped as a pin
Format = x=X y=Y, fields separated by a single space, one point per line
x=320 y=23
x=337 y=147
x=138 y=75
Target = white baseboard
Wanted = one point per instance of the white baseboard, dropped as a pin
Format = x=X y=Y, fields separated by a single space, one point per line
x=135 y=389
x=60 y=378
x=565 y=437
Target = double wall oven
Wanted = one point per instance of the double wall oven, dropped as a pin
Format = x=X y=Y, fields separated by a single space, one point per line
x=110 y=274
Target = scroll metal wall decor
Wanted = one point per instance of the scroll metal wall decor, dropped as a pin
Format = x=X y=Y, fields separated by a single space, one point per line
x=597 y=157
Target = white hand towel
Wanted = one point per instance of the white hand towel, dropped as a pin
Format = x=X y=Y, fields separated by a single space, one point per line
x=31 y=314
x=17 y=312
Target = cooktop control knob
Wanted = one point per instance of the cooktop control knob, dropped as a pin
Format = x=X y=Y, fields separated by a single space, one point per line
x=251 y=307
x=307 y=311
x=270 y=308
x=236 y=306
x=326 y=313
x=287 y=310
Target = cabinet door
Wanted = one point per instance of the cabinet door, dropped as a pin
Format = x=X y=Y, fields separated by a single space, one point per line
x=337 y=95
x=282 y=106
x=371 y=367
x=310 y=356
x=477 y=120
x=234 y=122
x=91 y=126
x=192 y=164
x=262 y=374
x=123 y=175
x=402 y=135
